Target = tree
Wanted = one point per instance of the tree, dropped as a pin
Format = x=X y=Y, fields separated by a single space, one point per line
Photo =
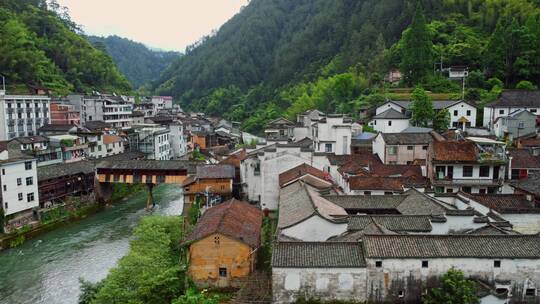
x=441 y=121
x=422 y=108
x=525 y=85
x=417 y=50
x=454 y=289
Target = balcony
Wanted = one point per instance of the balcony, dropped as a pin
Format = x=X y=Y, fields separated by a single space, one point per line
x=468 y=182
x=11 y=122
x=10 y=110
x=20 y=110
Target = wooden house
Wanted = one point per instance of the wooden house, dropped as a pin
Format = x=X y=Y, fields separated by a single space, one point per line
x=214 y=183
x=223 y=244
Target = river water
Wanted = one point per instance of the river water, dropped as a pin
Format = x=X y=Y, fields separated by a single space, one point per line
x=47 y=269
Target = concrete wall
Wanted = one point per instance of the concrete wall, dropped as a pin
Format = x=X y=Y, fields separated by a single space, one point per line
x=383 y=125
x=314 y=229
x=516 y=270
x=386 y=106
x=462 y=109
x=491 y=114
x=9 y=174
x=347 y=284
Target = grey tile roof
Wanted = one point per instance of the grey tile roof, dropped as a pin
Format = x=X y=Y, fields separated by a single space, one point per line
x=294 y=205
x=407 y=138
x=530 y=185
x=448 y=246
x=391 y=114
x=215 y=171
x=518 y=98
x=397 y=223
x=58 y=170
x=366 y=201
x=145 y=164
x=317 y=255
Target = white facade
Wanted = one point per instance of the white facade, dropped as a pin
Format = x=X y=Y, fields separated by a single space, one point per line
x=492 y=113
x=314 y=229
x=472 y=178
x=110 y=109
x=152 y=140
x=460 y=110
x=333 y=135
x=260 y=173
x=177 y=140
x=390 y=125
x=22 y=115
x=19 y=185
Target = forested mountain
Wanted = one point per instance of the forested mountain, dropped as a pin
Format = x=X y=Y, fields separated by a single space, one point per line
x=140 y=64
x=41 y=46
x=280 y=55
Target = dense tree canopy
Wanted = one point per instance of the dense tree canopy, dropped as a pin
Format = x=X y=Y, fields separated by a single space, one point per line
x=41 y=46
x=140 y=64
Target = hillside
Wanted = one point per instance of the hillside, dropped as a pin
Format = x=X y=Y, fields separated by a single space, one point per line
x=277 y=54
x=140 y=64
x=41 y=46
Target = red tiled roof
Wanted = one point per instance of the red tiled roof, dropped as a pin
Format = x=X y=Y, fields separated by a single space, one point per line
x=505 y=203
x=524 y=159
x=299 y=171
x=109 y=139
x=234 y=159
x=236 y=219
x=454 y=151
x=376 y=183
x=366 y=158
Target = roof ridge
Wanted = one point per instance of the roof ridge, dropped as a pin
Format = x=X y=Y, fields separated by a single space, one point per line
x=222 y=219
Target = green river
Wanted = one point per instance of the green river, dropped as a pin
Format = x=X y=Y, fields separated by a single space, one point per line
x=47 y=269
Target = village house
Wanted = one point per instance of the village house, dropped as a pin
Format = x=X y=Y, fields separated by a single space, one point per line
x=390 y=121
x=261 y=167
x=64 y=114
x=22 y=115
x=401 y=148
x=528 y=186
x=223 y=245
x=522 y=162
x=73 y=147
x=462 y=114
x=509 y=102
x=153 y=140
x=474 y=165
x=115 y=110
x=212 y=183
x=19 y=189
x=515 y=124
x=394 y=267
x=37 y=147
x=279 y=130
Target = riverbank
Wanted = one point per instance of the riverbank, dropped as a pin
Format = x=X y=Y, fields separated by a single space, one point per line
x=46 y=269
x=66 y=215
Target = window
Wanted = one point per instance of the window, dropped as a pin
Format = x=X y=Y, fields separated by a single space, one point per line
x=521 y=125
x=530 y=292
x=378 y=264
x=389 y=123
x=20 y=196
x=388 y=193
x=501 y=112
x=466 y=189
x=28 y=165
x=455 y=112
x=367 y=192
x=424 y=148
x=375 y=122
x=484 y=171
x=467 y=171
x=257 y=170
x=216 y=240
x=223 y=272
x=99 y=148
x=29 y=181
x=439 y=189
x=327 y=148
x=482 y=191
x=401 y=294
x=19 y=181
x=468 y=112
x=410 y=148
x=425 y=264
x=449 y=190
x=30 y=197
x=533 y=110
x=5 y=205
x=392 y=150
x=497 y=264
x=5 y=188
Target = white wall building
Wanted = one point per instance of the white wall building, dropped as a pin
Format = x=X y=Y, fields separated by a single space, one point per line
x=511 y=101
x=22 y=115
x=19 y=189
x=152 y=140
x=390 y=121
x=332 y=134
x=178 y=140
x=113 y=110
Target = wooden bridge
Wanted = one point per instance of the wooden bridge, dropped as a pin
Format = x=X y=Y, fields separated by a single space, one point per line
x=149 y=172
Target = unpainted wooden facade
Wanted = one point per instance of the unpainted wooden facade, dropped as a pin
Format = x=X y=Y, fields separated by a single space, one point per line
x=220 y=261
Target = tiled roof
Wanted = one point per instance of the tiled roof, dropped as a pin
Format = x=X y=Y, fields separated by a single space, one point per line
x=505 y=203
x=235 y=158
x=58 y=170
x=235 y=219
x=518 y=98
x=448 y=246
x=109 y=139
x=490 y=229
x=56 y=128
x=531 y=184
x=391 y=114
x=215 y=171
x=145 y=164
x=454 y=151
x=524 y=159
x=299 y=171
x=411 y=202
x=31 y=139
x=363 y=159
x=96 y=124
x=407 y=138
x=397 y=223
x=317 y=255
x=376 y=183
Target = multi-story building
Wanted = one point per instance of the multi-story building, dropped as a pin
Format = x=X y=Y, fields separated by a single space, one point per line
x=22 y=115
x=509 y=102
x=113 y=110
x=474 y=165
x=64 y=114
x=36 y=147
x=517 y=124
x=152 y=140
x=401 y=148
x=178 y=140
x=19 y=189
x=73 y=147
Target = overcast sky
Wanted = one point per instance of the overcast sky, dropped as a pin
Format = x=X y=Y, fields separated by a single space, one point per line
x=164 y=24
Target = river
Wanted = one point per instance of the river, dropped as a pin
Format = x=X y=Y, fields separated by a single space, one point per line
x=47 y=269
